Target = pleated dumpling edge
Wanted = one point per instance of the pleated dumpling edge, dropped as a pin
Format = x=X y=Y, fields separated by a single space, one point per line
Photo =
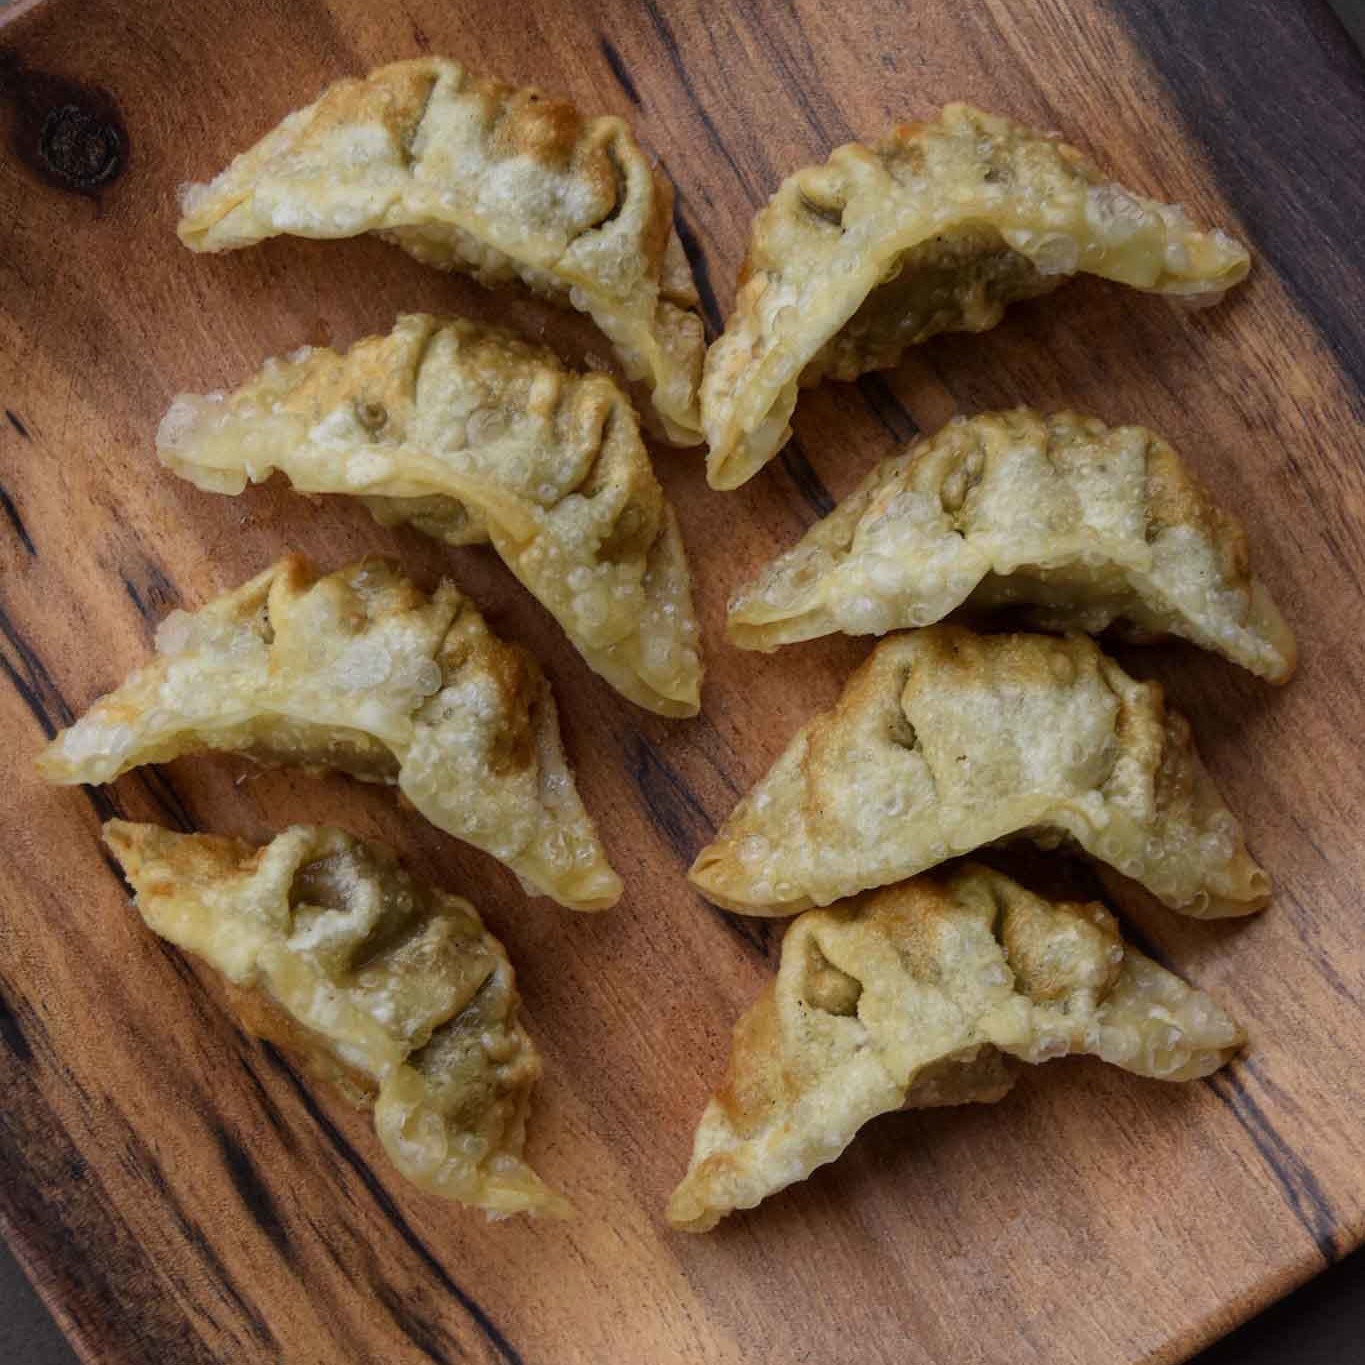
x=379 y=984
x=936 y=228
x=1064 y=522
x=469 y=173
x=472 y=435
x=945 y=741
x=361 y=672
x=923 y=994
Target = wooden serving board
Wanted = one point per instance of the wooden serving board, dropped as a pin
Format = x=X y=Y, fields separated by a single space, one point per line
x=180 y=1195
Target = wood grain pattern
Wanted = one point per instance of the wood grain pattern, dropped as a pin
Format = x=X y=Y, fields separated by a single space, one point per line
x=180 y=1195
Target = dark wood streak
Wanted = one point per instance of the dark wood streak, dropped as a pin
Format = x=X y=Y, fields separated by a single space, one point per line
x=12 y=1035
x=31 y=680
x=261 y=1097
x=180 y=965
x=1306 y=833
x=887 y=408
x=207 y=1012
x=756 y=933
x=1305 y=916
x=718 y=752
x=168 y=800
x=253 y=1191
x=673 y=808
x=17 y=423
x=111 y=862
x=677 y=814
x=151 y=592
x=425 y=1335
x=808 y=483
x=141 y=1161
x=17 y=522
x=1306 y=222
x=1297 y=1183
x=390 y=1210
x=324 y=1238
x=701 y=271
x=59 y=1212
x=618 y=69
x=664 y=31
x=829 y=125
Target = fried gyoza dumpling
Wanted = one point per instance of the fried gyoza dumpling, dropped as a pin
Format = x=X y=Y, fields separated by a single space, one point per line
x=934 y=229
x=470 y=174
x=945 y=741
x=1085 y=526
x=362 y=672
x=390 y=989
x=918 y=995
x=474 y=436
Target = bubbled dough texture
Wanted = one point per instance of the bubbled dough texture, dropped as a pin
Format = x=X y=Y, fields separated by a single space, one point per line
x=945 y=741
x=937 y=228
x=1085 y=525
x=361 y=671
x=467 y=173
x=907 y=998
x=385 y=986
x=472 y=435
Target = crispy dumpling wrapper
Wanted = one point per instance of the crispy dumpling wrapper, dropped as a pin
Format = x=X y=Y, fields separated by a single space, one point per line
x=945 y=741
x=921 y=994
x=468 y=173
x=473 y=436
x=1071 y=524
x=937 y=228
x=362 y=672
x=388 y=988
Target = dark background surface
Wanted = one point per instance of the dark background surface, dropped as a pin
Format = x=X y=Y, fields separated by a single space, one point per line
x=1322 y=1322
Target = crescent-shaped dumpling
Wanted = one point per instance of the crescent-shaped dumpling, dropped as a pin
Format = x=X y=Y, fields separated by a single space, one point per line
x=919 y=995
x=945 y=741
x=362 y=672
x=386 y=987
x=1072 y=524
x=937 y=228
x=472 y=436
x=468 y=173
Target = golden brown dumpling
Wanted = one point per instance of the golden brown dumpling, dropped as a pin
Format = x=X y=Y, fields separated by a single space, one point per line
x=919 y=995
x=469 y=174
x=945 y=741
x=386 y=987
x=1079 y=525
x=474 y=436
x=934 y=229
x=361 y=671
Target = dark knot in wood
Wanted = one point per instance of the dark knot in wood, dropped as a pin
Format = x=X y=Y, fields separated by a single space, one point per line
x=71 y=135
x=80 y=148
